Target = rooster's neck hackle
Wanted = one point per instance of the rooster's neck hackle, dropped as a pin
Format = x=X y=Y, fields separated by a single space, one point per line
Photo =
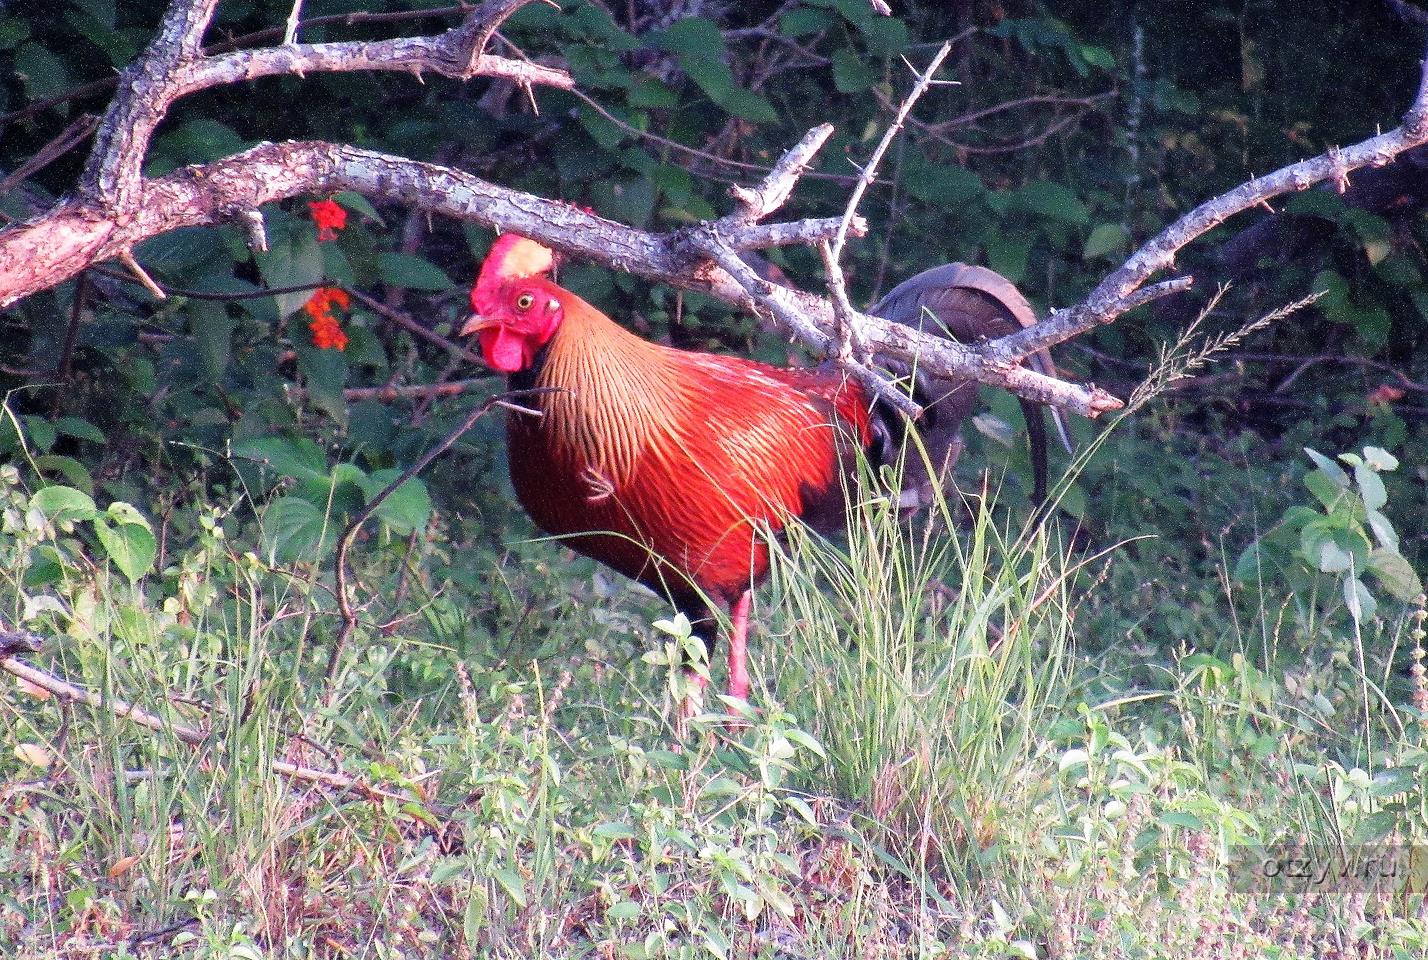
x=617 y=396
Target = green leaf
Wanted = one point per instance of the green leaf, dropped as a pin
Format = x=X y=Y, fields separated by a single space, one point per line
x=407 y=509
x=13 y=32
x=41 y=432
x=1362 y=606
x=212 y=330
x=1250 y=566
x=62 y=504
x=356 y=203
x=324 y=373
x=1396 y=575
x=1331 y=469
x=126 y=513
x=80 y=429
x=1054 y=201
x=624 y=910
x=801 y=22
x=130 y=546
x=747 y=105
x=1173 y=818
x=1380 y=459
x=412 y=272
x=296 y=457
x=1382 y=529
x=295 y=529
x=1324 y=489
x=614 y=831
x=43 y=73
x=297 y=262
x=1098 y=57
x=1107 y=239
x=712 y=76
x=850 y=73
x=1333 y=558
x=511 y=882
x=1370 y=486
x=696 y=36
x=76 y=473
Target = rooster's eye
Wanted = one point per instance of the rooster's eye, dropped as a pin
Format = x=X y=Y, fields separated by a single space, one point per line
x=524 y=301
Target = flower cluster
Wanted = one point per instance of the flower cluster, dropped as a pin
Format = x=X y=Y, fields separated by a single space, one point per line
x=329 y=217
x=326 y=331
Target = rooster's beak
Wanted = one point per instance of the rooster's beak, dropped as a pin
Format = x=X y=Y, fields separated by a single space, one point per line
x=475 y=324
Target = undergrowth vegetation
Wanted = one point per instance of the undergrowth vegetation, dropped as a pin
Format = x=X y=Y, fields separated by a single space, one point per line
x=938 y=760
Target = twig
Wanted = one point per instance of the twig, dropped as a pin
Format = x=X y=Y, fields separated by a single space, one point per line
x=343 y=571
x=65 y=141
x=870 y=170
x=846 y=332
x=757 y=203
x=13 y=640
x=411 y=326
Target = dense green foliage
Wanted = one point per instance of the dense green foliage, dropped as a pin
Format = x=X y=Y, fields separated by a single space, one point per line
x=1212 y=646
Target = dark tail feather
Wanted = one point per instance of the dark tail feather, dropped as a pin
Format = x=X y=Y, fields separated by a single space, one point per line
x=967 y=304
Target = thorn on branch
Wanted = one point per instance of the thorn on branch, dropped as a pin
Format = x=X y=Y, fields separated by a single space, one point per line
x=127 y=259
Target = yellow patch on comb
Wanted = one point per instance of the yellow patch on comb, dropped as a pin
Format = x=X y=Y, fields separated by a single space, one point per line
x=517 y=257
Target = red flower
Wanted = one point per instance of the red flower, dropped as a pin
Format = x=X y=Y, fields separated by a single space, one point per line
x=326 y=331
x=329 y=217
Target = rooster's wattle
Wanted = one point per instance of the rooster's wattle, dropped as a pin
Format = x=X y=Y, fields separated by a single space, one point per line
x=666 y=464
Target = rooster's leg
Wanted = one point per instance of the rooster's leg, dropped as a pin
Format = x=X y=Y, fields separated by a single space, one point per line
x=739 y=646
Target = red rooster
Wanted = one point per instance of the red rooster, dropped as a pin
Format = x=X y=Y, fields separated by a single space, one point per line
x=664 y=464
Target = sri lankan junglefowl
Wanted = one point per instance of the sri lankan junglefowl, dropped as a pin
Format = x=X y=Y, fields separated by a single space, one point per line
x=666 y=465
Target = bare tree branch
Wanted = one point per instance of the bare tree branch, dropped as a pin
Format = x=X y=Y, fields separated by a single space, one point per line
x=1118 y=292
x=117 y=208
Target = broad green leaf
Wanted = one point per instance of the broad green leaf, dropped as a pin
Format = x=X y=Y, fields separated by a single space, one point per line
x=1106 y=239
x=1382 y=529
x=1331 y=469
x=80 y=429
x=1396 y=575
x=126 y=513
x=296 y=457
x=407 y=509
x=1362 y=606
x=76 y=473
x=614 y=831
x=1380 y=459
x=747 y=105
x=412 y=272
x=295 y=529
x=42 y=72
x=41 y=433
x=1054 y=201
x=1323 y=488
x=297 y=262
x=324 y=373
x=851 y=74
x=801 y=22
x=212 y=330
x=511 y=882
x=694 y=36
x=356 y=203
x=1370 y=486
x=64 y=503
x=712 y=76
x=130 y=546
x=1333 y=558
